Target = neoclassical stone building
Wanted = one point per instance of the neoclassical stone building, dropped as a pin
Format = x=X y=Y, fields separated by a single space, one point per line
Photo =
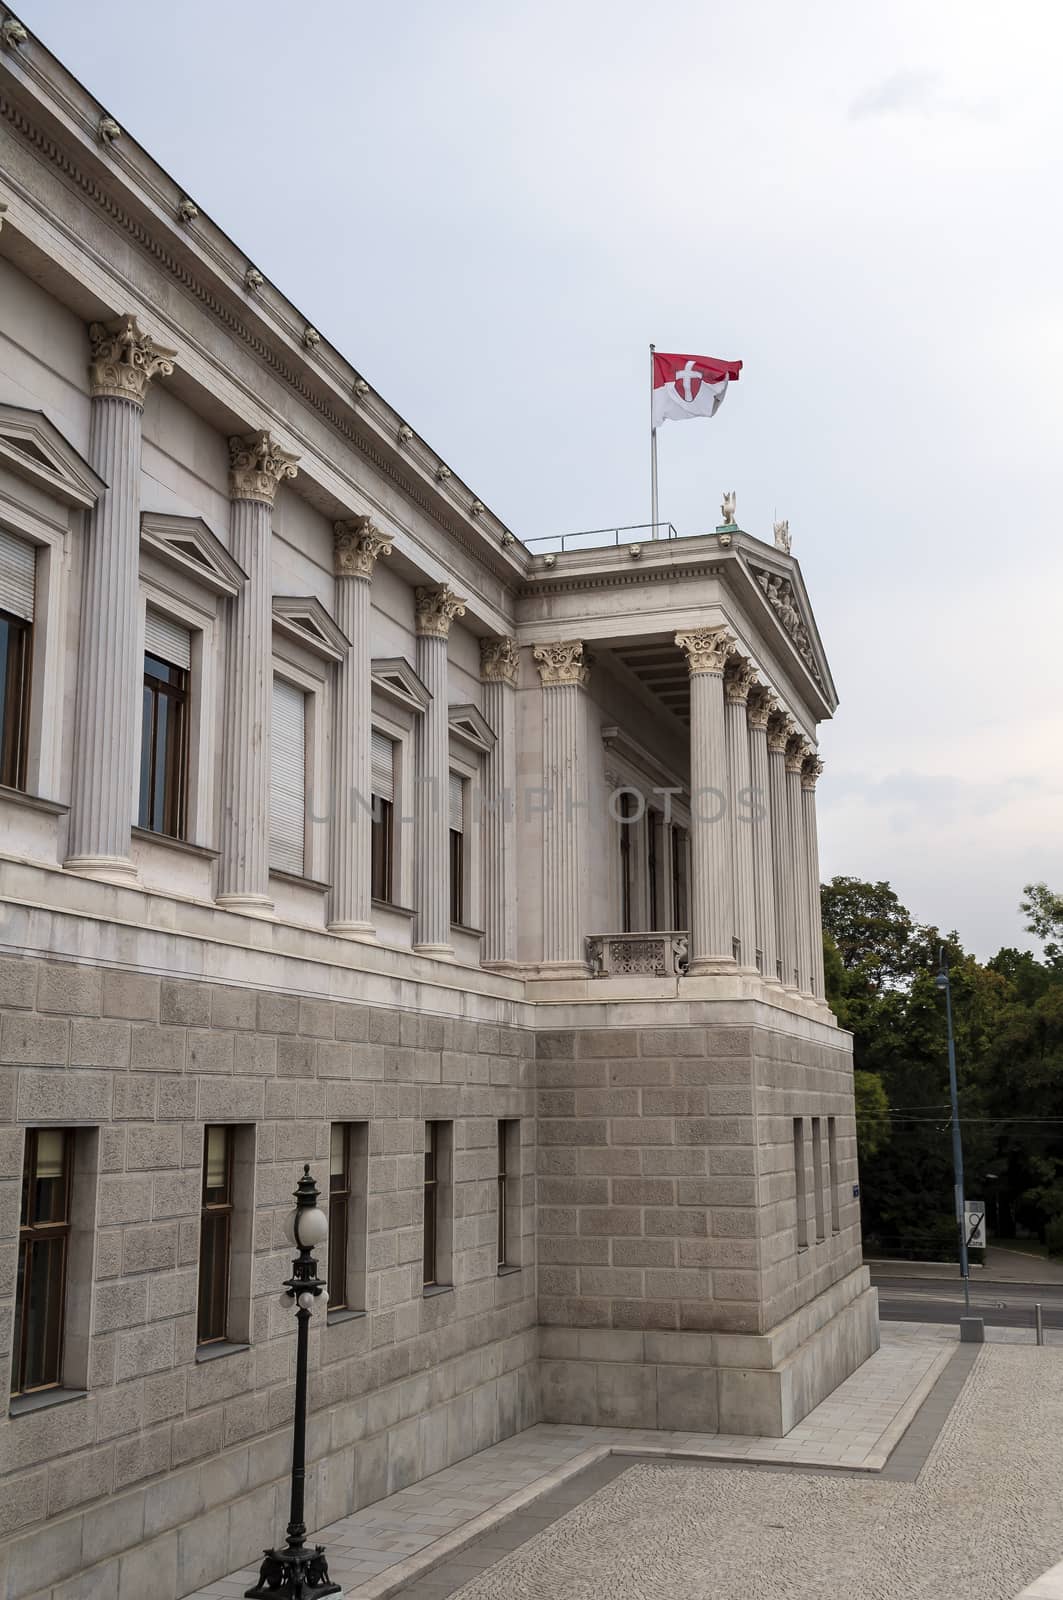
x=337 y=825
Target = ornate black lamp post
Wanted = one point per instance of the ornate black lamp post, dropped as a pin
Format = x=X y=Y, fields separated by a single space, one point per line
x=300 y=1572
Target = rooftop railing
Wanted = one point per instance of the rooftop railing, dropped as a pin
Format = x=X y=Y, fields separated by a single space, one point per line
x=599 y=538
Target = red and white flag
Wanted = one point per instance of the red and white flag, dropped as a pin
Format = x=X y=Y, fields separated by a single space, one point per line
x=689 y=386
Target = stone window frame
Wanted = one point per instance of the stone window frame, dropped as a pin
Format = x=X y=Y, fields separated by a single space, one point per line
x=48 y=527
x=357 y=1200
x=79 y=1281
x=197 y=609
x=240 y=1318
x=313 y=674
x=467 y=765
x=397 y=724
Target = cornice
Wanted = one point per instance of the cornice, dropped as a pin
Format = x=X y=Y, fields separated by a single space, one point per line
x=488 y=544
x=567 y=584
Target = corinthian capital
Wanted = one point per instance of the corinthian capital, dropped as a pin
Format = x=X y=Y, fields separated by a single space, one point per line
x=739 y=678
x=498 y=661
x=561 y=663
x=436 y=610
x=707 y=649
x=356 y=546
x=256 y=465
x=810 y=771
x=780 y=731
x=760 y=706
x=124 y=360
x=796 y=751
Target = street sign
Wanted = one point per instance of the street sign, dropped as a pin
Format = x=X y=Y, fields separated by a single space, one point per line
x=974 y=1224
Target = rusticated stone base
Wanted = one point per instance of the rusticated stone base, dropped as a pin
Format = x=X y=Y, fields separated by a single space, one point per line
x=761 y=1385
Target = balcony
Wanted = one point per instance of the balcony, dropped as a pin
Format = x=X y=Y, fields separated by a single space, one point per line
x=642 y=955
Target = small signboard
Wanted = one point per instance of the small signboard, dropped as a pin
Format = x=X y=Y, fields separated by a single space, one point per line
x=974 y=1224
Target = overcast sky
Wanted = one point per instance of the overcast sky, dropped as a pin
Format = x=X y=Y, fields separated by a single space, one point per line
x=493 y=208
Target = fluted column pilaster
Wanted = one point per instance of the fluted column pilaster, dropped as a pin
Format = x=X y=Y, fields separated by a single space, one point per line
x=796 y=751
x=711 y=850
x=103 y=788
x=357 y=545
x=759 y=708
x=498 y=677
x=810 y=772
x=563 y=671
x=257 y=466
x=435 y=610
x=779 y=730
x=738 y=680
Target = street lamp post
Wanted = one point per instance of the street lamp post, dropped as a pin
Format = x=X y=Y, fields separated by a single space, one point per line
x=942 y=982
x=299 y=1572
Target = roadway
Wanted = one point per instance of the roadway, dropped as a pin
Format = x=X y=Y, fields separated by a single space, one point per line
x=1000 y=1304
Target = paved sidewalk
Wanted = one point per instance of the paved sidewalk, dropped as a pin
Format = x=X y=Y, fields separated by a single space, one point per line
x=979 y=1521
x=387 y=1545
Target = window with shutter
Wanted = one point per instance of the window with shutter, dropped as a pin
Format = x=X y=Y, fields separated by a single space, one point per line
x=287 y=799
x=382 y=845
x=18 y=562
x=164 y=726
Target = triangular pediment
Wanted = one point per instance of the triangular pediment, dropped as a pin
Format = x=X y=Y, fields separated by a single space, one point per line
x=469 y=725
x=397 y=681
x=34 y=449
x=187 y=545
x=304 y=618
x=784 y=595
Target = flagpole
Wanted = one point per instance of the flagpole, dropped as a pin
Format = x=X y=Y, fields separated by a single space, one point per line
x=653 y=456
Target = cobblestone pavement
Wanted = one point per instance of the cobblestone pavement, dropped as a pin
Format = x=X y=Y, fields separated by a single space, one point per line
x=388 y=1543
x=982 y=1520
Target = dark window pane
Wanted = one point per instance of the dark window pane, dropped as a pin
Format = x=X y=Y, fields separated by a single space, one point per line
x=43 y=1312
x=213 y=1275
x=381 y=845
x=457 y=876
x=337 y=1254
x=15 y=637
x=163 y=750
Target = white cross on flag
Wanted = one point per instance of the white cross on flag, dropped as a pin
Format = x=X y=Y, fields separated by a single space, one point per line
x=689 y=386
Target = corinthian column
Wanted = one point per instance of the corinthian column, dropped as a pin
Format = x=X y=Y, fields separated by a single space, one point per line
x=498 y=676
x=739 y=678
x=810 y=772
x=355 y=548
x=109 y=674
x=563 y=671
x=760 y=707
x=436 y=610
x=796 y=751
x=256 y=466
x=779 y=731
x=711 y=852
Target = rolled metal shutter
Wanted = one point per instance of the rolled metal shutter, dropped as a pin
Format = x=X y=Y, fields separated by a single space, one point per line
x=18 y=567
x=457 y=803
x=167 y=640
x=287 y=797
x=382 y=766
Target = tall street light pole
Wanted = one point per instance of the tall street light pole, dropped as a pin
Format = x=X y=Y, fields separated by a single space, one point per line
x=942 y=982
x=300 y=1572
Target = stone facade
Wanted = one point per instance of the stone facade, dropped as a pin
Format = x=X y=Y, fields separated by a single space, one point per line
x=184 y=1463
x=500 y=857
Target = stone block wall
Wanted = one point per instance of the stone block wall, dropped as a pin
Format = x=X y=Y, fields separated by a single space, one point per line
x=674 y=1280
x=667 y=1190
x=177 y=1466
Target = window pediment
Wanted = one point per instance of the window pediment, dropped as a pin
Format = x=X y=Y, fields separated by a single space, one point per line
x=187 y=545
x=34 y=449
x=304 y=618
x=397 y=681
x=468 y=725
